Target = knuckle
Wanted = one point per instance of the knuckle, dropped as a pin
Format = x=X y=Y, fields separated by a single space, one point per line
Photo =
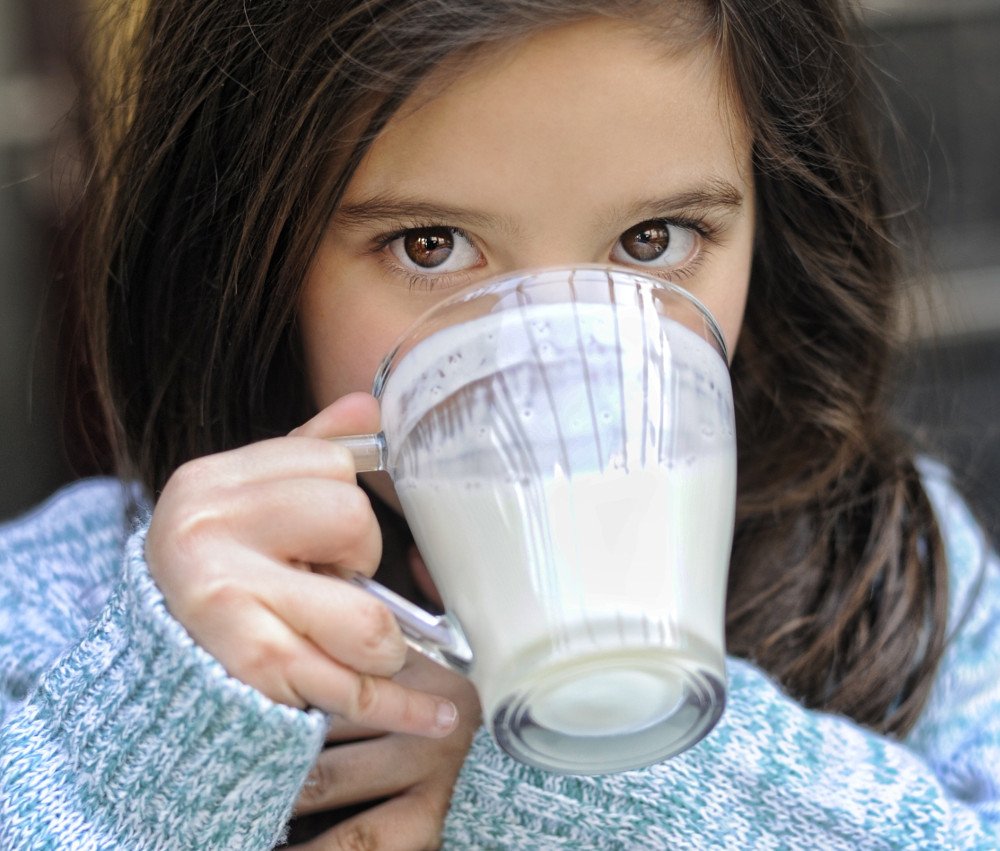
x=216 y=591
x=409 y=714
x=359 y=535
x=342 y=464
x=197 y=519
x=186 y=513
x=319 y=783
x=430 y=808
x=433 y=803
x=435 y=833
x=356 y=510
x=438 y=806
x=379 y=629
x=359 y=836
x=195 y=524
x=366 y=698
x=201 y=593
x=257 y=658
x=194 y=475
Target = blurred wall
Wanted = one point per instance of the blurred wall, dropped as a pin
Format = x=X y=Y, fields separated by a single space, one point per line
x=944 y=56
x=942 y=53
x=34 y=95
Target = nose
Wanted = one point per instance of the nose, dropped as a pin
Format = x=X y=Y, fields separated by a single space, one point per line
x=554 y=250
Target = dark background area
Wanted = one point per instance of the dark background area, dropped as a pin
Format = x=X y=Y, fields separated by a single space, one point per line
x=941 y=60
x=942 y=65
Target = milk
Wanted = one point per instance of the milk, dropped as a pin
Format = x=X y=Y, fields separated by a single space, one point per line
x=568 y=475
x=595 y=561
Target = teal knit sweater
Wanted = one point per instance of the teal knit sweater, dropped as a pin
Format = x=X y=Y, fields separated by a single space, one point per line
x=118 y=732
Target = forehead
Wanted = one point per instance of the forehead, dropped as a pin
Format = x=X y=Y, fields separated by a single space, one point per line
x=571 y=110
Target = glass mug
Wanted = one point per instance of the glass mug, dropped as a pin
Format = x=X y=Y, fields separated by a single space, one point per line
x=562 y=443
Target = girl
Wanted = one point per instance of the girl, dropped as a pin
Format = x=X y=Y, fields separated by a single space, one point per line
x=287 y=186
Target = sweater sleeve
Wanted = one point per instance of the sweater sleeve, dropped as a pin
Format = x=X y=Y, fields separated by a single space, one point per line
x=775 y=775
x=132 y=737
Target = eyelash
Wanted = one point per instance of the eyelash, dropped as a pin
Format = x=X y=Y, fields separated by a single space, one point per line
x=416 y=280
x=707 y=233
x=708 y=236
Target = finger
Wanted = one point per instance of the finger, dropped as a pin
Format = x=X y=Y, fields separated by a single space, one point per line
x=292 y=670
x=420 y=673
x=309 y=520
x=344 y=775
x=252 y=613
x=340 y=731
x=346 y=623
x=355 y=413
x=363 y=771
x=276 y=458
x=411 y=822
x=369 y=700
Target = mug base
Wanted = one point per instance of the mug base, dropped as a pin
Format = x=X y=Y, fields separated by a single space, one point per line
x=611 y=711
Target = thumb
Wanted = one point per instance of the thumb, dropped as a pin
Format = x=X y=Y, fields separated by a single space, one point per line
x=355 y=413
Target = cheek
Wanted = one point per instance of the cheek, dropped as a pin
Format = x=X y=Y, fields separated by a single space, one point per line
x=337 y=364
x=729 y=292
x=346 y=331
x=339 y=341
x=725 y=296
x=729 y=312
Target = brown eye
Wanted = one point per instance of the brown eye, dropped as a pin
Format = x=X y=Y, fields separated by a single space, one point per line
x=434 y=251
x=656 y=243
x=646 y=241
x=429 y=247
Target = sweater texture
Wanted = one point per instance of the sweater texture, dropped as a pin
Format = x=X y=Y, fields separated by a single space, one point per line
x=118 y=732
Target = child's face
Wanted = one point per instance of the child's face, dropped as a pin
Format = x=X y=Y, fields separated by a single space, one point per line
x=585 y=144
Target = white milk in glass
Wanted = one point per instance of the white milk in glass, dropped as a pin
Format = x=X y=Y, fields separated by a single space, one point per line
x=589 y=500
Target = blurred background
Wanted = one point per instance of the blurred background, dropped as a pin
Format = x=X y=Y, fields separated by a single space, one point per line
x=942 y=76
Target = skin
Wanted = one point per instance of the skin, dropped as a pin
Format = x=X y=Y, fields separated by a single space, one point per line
x=543 y=153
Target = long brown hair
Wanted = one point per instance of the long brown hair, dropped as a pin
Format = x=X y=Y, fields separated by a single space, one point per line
x=231 y=132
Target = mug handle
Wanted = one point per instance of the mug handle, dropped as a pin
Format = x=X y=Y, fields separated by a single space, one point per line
x=438 y=637
x=369 y=450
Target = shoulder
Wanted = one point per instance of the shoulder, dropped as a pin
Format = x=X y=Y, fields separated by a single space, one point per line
x=971 y=561
x=65 y=554
x=959 y=730
x=76 y=505
x=84 y=519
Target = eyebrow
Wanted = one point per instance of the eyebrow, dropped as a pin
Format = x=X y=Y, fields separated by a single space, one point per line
x=714 y=194
x=391 y=208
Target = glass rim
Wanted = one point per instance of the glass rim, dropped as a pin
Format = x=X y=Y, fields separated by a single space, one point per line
x=520 y=278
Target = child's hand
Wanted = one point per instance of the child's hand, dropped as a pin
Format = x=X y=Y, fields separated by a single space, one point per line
x=237 y=545
x=415 y=774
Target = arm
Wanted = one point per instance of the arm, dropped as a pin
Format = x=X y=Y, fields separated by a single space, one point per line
x=83 y=761
x=773 y=774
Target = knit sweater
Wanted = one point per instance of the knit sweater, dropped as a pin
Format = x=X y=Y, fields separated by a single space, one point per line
x=118 y=732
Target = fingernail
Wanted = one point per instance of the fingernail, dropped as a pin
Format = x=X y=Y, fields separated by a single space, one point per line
x=446 y=715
